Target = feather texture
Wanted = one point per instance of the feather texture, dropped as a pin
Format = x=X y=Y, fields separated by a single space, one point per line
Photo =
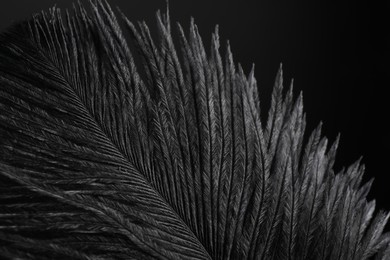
x=143 y=148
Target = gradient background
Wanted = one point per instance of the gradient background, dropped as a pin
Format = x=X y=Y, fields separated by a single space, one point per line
x=337 y=53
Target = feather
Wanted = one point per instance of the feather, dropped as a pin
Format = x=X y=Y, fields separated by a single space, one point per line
x=151 y=148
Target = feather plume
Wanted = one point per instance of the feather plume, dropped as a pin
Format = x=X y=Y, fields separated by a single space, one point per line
x=152 y=148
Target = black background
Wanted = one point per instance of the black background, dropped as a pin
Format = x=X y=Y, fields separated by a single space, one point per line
x=338 y=55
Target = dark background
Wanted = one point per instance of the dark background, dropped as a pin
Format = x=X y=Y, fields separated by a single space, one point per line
x=338 y=55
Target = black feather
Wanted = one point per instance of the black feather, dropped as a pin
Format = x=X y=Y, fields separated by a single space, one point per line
x=154 y=149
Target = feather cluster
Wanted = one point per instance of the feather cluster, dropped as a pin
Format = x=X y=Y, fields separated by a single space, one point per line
x=143 y=148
